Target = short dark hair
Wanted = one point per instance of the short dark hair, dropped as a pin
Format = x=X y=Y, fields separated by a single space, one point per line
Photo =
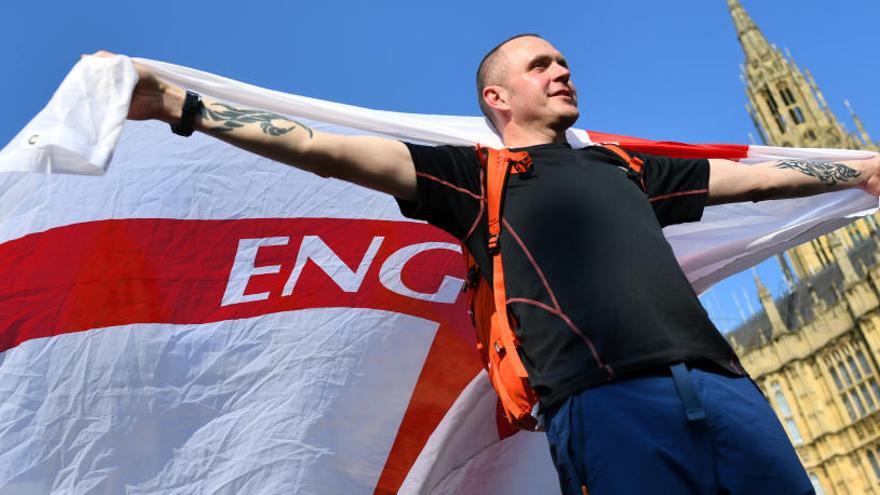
x=486 y=72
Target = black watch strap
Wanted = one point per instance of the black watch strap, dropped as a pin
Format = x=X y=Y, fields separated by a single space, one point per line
x=192 y=105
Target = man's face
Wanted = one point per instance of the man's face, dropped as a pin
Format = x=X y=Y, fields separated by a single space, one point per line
x=538 y=82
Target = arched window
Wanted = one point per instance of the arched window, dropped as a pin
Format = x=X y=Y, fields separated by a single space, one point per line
x=787 y=415
x=857 y=401
x=836 y=378
x=868 y=399
x=852 y=366
x=849 y=408
x=853 y=375
x=774 y=109
x=787 y=96
x=864 y=362
x=843 y=372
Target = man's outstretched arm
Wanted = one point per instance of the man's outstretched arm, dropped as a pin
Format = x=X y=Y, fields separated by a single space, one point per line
x=381 y=164
x=731 y=182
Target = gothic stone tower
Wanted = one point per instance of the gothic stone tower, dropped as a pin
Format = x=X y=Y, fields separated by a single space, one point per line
x=815 y=352
x=788 y=109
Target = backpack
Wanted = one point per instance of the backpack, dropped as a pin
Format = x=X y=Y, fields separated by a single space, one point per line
x=497 y=342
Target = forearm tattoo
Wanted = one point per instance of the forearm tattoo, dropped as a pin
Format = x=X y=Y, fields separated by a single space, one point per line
x=828 y=173
x=234 y=118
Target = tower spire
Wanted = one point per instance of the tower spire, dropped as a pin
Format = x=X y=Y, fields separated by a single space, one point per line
x=753 y=42
x=777 y=326
x=786 y=271
x=816 y=90
x=866 y=139
x=786 y=104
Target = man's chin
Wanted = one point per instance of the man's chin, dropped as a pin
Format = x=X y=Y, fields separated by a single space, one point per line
x=567 y=119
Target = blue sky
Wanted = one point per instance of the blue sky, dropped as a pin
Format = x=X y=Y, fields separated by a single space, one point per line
x=661 y=70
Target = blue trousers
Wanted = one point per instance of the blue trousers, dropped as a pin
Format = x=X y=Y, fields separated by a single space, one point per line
x=634 y=437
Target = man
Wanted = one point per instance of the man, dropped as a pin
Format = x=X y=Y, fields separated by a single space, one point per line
x=607 y=321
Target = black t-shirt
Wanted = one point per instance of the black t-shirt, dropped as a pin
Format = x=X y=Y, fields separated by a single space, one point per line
x=591 y=280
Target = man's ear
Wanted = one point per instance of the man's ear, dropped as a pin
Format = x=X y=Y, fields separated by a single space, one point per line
x=497 y=98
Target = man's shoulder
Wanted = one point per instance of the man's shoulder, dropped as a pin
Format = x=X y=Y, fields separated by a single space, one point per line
x=445 y=153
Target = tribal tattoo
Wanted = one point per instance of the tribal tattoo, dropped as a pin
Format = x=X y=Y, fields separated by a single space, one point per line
x=828 y=173
x=234 y=118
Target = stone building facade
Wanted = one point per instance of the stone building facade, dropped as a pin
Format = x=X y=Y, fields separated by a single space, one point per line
x=815 y=352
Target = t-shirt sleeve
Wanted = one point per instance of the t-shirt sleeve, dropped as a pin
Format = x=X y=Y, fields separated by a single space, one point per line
x=448 y=192
x=677 y=188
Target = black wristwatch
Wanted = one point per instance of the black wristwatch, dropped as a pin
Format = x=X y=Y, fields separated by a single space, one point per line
x=192 y=105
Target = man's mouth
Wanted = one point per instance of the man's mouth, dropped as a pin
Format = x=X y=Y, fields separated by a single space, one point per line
x=566 y=95
x=563 y=92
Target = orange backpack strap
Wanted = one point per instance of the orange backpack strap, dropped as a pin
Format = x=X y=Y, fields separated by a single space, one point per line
x=633 y=163
x=499 y=164
x=496 y=339
x=496 y=174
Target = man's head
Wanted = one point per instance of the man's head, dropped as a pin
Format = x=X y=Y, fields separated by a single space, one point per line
x=526 y=81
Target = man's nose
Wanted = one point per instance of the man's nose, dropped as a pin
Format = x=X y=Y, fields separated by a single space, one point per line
x=561 y=73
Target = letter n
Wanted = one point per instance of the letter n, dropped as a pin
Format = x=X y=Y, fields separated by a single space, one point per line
x=313 y=248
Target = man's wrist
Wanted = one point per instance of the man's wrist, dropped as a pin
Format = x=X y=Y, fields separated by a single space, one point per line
x=172 y=103
x=870 y=175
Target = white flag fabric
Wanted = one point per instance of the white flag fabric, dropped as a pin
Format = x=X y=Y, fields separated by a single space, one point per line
x=179 y=316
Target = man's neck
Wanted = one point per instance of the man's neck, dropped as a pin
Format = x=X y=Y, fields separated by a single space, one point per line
x=515 y=136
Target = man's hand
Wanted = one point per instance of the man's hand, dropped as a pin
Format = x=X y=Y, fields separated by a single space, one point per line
x=731 y=182
x=872 y=176
x=152 y=99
